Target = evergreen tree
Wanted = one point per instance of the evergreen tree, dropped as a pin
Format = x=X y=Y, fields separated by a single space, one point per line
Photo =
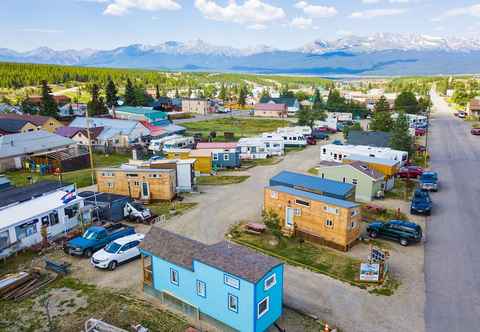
x=157 y=92
x=401 y=139
x=265 y=94
x=130 y=99
x=177 y=95
x=242 y=96
x=111 y=94
x=308 y=117
x=381 y=119
x=406 y=102
x=317 y=100
x=48 y=106
x=96 y=105
x=424 y=103
x=223 y=92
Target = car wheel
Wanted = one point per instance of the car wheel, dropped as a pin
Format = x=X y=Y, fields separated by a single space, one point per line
x=404 y=242
x=113 y=265
x=373 y=234
x=88 y=253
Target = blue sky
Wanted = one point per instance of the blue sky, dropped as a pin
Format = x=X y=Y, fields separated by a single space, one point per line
x=105 y=24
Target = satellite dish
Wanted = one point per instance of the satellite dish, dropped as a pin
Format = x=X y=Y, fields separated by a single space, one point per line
x=120 y=102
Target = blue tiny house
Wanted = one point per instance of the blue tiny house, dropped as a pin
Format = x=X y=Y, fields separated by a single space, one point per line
x=225 y=285
x=226 y=158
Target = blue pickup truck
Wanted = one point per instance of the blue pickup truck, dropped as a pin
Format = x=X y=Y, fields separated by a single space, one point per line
x=429 y=181
x=421 y=203
x=95 y=238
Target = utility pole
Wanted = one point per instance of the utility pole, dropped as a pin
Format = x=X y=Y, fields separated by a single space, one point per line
x=90 y=148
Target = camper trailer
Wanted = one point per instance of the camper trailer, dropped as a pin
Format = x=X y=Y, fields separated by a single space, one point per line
x=252 y=148
x=337 y=153
x=178 y=143
x=302 y=130
x=274 y=144
x=156 y=145
x=294 y=139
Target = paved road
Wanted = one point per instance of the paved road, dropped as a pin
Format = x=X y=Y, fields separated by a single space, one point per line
x=452 y=253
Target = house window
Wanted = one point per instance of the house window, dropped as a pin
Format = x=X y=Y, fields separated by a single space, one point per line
x=354 y=181
x=71 y=211
x=329 y=223
x=274 y=194
x=226 y=157
x=4 y=240
x=344 y=180
x=232 y=303
x=354 y=213
x=263 y=307
x=297 y=212
x=45 y=221
x=174 y=276
x=110 y=184
x=201 y=288
x=300 y=202
x=107 y=173
x=270 y=281
x=27 y=229
x=136 y=183
x=324 y=151
x=231 y=281
x=215 y=156
x=353 y=225
x=131 y=175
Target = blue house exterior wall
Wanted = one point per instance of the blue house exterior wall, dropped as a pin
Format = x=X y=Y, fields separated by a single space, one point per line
x=232 y=162
x=215 y=303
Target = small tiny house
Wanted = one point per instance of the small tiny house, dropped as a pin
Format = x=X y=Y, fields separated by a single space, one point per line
x=225 y=158
x=388 y=167
x=318 y=218
x=203 y=162
x=274 y=144
x=252 y=148
x=226 y=285
x=369 y=183
x=314 y=184
x=185 y=168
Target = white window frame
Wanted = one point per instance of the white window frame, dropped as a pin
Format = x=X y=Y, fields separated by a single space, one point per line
x=236 y=303
x=297 y=212
x=173 y=276
x=231 y=281
x=353 y=224
x=266 y=286
x=355 y=181
x=329 y=223
x=215 y=156
x=199 y=293
x=226 y=157
x=260 y=314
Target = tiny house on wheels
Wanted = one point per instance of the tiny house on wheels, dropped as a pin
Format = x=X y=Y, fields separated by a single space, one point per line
x=336 y=153
x=226 y=285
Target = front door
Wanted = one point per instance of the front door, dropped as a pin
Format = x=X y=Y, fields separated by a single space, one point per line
x=145 y=190
x=289 y=217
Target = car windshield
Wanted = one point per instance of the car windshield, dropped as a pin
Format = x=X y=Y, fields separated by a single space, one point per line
x=89 y=235
x=138 y=207
x=112 y=247
x=429 y=176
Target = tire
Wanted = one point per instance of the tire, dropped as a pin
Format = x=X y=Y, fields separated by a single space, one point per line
x=404 y=242
x=88 y=253
x=113 y=265
x=373 y=234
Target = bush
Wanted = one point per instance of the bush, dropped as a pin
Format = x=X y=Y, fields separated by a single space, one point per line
x=272 y=221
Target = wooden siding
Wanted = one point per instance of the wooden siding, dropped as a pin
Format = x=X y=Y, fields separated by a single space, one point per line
x=202 y=165
x=51 y=125
x=389 y=171
x=162 y=183
x=312 y=219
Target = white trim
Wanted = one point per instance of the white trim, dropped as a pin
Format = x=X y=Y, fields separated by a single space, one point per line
x=273 y=276
x=259 y=315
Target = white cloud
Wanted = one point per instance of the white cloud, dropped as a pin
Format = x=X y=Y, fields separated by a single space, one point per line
x=251 y=12
x=301 y=22
x=121 y=7
x=257 y=27
x=373 y=13
x=461 y=11
x=371 y=1
x=316 y=11
x=301 y=4
x=39 y=30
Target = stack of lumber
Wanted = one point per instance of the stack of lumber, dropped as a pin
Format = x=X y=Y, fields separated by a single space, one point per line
x=18 y=286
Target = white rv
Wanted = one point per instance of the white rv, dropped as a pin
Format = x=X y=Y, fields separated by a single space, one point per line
x=413 y=119
x=274 y=144
x=178 y=143
x=156 y=145
x=337 y=153
x=302 y=130
x=294 y=139
x=252 y=148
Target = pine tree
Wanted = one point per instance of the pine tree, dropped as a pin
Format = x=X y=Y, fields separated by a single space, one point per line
x=177 y=95
x=317 y=100
x=111 y=94
x=96 y=105
x=401 y=139
x=406 y=102
x=308 y=117
x=157 y=92
x=381 y=119
x=223 y=92
x=48 y=107
x=242 y=96
x=130 y=99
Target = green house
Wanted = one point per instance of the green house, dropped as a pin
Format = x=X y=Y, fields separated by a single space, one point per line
x=368 y=182
x=139 y=113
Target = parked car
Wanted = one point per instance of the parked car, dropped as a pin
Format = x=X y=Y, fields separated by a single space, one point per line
x=421 y=203
x=337 y=142
x=462 y=114
x=411 y=172
x=402 y=231
x=95 y=238
x=420 y=131
x=322 y=129
x=319 y=134
x=429 y=181
x=475 y=131
x=311 y=140
x=119 y=251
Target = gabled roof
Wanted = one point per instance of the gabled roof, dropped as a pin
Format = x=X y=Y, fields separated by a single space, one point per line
x=290 y=102
x=31 y=142
x=155 y=131
x=125 y=126
x=271 y=107
x=379 y=139
x=225 y=256
x=314 y=197
x=37 y=120
x=373 y=160
x=12 y=125
x=72 y=131
x=357 y=165
x=311 y=183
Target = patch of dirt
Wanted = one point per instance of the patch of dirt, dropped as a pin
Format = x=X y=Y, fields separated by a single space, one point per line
x=61 y=301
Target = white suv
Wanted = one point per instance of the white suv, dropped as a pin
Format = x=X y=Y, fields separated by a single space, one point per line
x=120 y=251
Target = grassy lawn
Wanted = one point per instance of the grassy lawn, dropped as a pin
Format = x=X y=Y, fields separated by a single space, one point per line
x=402 y=190
x=260 y=162
x=290 y=149
x=71 y=303
x=301 y=253
x=239 y=126
x=419 y=159
x=170 y=209
x=220 y=180
x=386 y=215
x=82 y=177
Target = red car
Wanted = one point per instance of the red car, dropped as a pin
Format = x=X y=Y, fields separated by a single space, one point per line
x=475 y=131
x=420 y=131
x=311 y=140
x=322 y=129
x=411 y=172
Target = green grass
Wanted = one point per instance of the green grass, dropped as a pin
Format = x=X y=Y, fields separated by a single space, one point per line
x=220 y=180
x=290 y=149
x=239 y=126
x=82 y=178
x=260 y=162
x=386 y=215
x=114 y=307
x=387 y=289
x=170 y=209
x=402 y=190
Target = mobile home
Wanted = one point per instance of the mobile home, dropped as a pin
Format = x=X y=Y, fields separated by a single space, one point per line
x=294 y=139
x=274 y=144
x=178 y=143
x=337 y=153
x=156 y=145
x=303 y=130
x=252 y=148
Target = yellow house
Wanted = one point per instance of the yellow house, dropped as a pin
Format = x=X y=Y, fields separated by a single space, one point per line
x=41 y=122
x=203 y=158
x=318 y=218
x=387 y=167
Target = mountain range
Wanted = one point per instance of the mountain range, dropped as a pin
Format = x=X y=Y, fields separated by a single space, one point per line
x=380 y=54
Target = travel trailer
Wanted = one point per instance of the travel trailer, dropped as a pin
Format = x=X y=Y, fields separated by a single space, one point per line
x=294 y=139
x=156 y=145
x=274 y=144
x=178 y=143
x=302 y=130
x=252 y=148
x=337 y=153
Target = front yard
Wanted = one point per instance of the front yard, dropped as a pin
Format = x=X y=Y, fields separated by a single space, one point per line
x=170 y=209
x=220 y=180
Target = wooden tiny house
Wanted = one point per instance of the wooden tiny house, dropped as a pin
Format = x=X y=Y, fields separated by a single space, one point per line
x=142 y=184
x=318 y=218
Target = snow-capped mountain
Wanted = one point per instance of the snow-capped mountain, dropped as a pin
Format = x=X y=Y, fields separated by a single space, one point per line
x=383 y=53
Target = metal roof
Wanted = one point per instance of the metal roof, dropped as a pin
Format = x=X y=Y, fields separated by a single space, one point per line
x=379 y=139
x=315 y=197
x=12 y=125
x=312 y=183
x=125 y=126
x=31 y=142
x=216 y=145
x=373 y=160
x=22 y=194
